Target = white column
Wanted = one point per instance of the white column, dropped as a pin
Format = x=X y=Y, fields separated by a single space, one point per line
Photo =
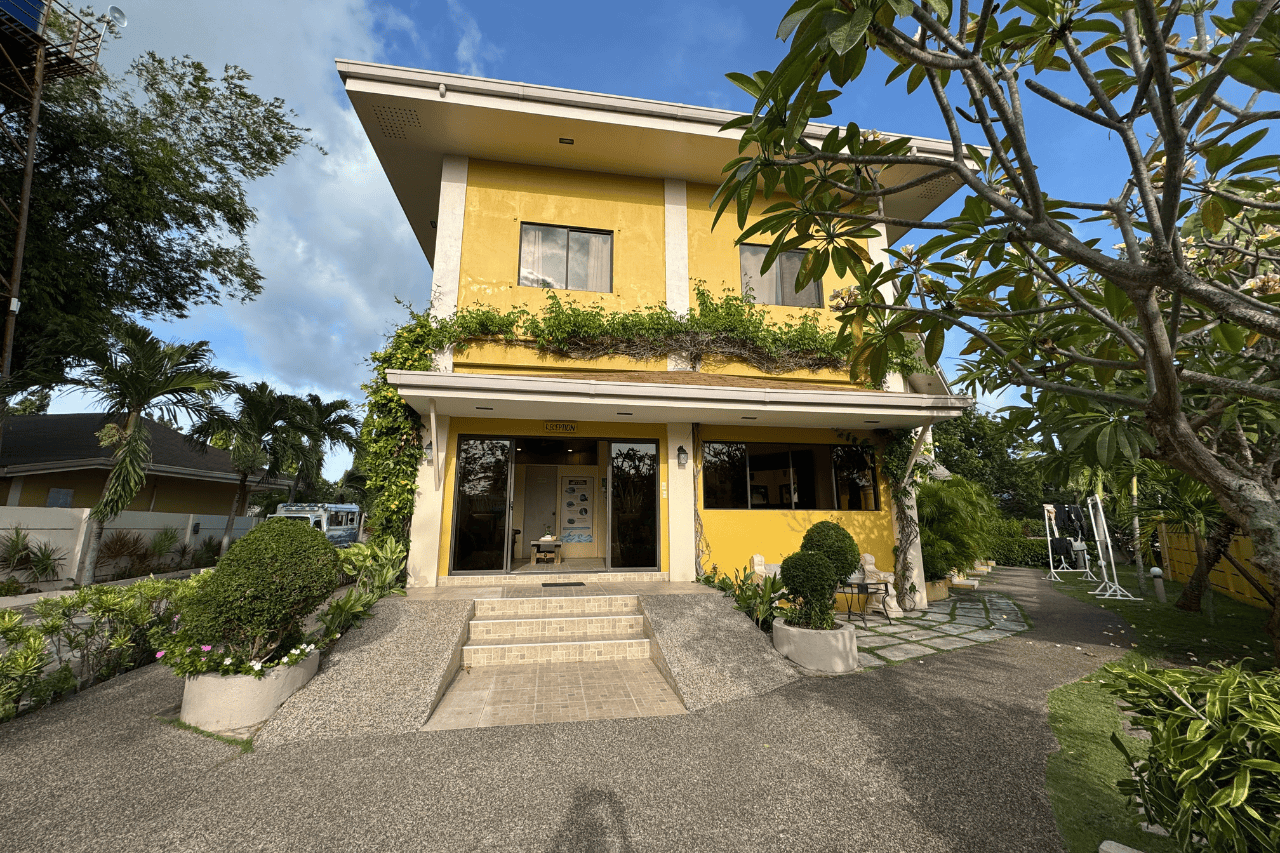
x=15 y=491
x=915 y=558
x=447 y=271
x=676 y=241
x=878 y=247
x=427 y=526
x=681 y=500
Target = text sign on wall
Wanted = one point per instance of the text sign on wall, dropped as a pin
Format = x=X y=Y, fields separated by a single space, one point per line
x=561 y=426
x=577 y=499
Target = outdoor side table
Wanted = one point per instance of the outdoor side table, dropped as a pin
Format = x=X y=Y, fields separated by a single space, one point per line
x=544 y=548
x=879 y=588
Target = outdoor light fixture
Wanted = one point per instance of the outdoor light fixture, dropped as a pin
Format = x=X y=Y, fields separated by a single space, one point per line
x=564 y=140
x=427 y=453
x=682 y=456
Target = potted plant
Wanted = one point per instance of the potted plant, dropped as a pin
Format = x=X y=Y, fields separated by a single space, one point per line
x=237 y=635
x=809 y=635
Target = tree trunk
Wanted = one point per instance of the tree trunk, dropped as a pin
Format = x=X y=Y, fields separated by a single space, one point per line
x=1208 y=553
x=241 y=490
x=293 y=487
x=88 y=569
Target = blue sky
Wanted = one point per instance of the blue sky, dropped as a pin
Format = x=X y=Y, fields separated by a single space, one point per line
x=332 y=240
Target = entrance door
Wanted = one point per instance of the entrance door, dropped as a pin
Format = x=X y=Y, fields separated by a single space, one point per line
x=481 y=537
x=540 y=500
x=633 y=505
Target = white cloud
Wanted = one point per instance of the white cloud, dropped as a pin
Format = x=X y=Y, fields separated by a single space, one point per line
x=331 y=240
x=473 y=49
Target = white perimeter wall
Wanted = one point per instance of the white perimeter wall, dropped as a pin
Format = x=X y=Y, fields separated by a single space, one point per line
x=68 y=529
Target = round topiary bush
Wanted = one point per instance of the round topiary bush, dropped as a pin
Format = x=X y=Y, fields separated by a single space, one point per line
x=837 y=545
x=267 y=583
x=810 y=578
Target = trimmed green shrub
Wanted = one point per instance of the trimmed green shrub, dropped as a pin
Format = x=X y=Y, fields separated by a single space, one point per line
x=1212 y=774
x=836 y=544
x=811 y=581
x=267 y=583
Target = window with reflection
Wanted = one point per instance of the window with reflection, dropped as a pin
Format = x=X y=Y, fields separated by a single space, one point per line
x=777 y=286
x=480 y=509
x=566 y=258
x=757 y=475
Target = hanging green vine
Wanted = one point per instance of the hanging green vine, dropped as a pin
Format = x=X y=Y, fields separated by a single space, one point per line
x=894 y=459
x=728 y=329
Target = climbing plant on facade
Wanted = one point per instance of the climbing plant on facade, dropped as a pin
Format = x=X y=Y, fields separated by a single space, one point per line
x=725 y=329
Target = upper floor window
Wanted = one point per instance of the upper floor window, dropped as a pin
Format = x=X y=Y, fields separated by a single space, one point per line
x=566 y=258
x=778 y=285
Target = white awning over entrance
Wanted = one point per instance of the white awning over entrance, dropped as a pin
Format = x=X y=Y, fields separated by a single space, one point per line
x=678 y=399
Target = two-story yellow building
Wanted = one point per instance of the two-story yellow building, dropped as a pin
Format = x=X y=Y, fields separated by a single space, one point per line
x=642 y=469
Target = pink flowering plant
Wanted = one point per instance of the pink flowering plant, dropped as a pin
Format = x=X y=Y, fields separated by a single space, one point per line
x=245 y=617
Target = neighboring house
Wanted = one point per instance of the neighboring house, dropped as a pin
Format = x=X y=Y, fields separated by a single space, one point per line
x=633 y=467
x=57 y=461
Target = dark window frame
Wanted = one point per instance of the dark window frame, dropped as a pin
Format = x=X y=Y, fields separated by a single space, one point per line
x=569 y=231
x=831 y=471
x=776 y=271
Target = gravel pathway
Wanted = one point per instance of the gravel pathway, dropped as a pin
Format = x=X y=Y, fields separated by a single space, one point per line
x=939 y=756
x=714 y=653
x=380 y=678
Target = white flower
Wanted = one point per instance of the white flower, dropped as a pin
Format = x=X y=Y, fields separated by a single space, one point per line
x=226 y=662
x=256 y=665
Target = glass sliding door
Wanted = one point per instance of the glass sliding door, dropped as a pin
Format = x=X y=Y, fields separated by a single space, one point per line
x=481 y=520
x=633 y=505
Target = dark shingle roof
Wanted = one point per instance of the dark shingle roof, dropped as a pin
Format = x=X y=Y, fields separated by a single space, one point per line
x=49 y=439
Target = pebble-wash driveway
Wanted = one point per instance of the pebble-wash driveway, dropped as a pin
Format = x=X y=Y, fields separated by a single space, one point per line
x=943 y=754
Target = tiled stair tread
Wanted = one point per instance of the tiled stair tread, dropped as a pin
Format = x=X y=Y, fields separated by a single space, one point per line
x=561 y=626
x=614 y=636
x=559 y=608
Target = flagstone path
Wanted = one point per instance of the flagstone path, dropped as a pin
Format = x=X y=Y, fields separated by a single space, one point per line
x=966 y=619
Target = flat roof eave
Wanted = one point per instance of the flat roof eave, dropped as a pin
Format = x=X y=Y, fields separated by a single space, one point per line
x=414 y=117
x=558 y=399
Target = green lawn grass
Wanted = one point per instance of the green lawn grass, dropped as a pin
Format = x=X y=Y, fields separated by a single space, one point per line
x=1081 y=777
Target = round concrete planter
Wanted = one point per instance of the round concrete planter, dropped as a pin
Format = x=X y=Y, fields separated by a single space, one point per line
x=232 y=703
x=830 y=652
x=937 y=590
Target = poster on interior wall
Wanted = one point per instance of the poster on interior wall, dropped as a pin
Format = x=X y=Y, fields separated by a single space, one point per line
x=577 y=508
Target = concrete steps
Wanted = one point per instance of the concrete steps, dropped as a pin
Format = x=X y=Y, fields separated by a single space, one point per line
x=506 y=631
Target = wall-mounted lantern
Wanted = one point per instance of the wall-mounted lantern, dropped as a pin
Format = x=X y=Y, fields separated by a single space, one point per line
x=682 y=456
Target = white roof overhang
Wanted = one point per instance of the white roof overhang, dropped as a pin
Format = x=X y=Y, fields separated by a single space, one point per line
x=545 y=398
x=413 y=118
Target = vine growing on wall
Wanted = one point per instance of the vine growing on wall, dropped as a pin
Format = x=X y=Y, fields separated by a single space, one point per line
x=725 y=329
x=894 y=461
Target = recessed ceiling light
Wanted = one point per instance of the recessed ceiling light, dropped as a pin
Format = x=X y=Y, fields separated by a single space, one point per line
x=749 y=418
x=484 y=408
x=564 y=140
x=628 y=414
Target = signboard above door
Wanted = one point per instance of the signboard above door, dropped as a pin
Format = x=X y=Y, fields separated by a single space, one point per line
x=562 y=427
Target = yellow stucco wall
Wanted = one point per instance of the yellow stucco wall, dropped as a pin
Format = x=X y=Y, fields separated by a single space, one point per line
x=501 y=427
x=734 y=535
x=715 y=264
x=173 y=494
x=1178 y=550
x=502 y=195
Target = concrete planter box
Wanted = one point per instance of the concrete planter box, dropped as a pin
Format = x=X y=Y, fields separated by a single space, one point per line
x=829 y=652
x=937 y=590
x=233 y=703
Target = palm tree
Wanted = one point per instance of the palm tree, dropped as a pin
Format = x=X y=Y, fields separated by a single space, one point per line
x=322 y=426
x=132 y=374
x=261 y=434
